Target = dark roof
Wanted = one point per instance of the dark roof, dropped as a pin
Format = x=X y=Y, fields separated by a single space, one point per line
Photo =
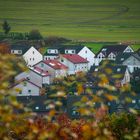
x=107 y=49
x=61 y=48
x=122 y=57
x=24 y=48
x=77 y=48
x=40 y=104
x=116 y=72
x=113 y=106
x=35 y=103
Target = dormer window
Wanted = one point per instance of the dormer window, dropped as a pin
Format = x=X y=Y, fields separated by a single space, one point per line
x=133 y=101
x=37 y=107
x=96 y=69
x=118 y=70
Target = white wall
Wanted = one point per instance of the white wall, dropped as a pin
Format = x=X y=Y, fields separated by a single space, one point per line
x=26 y=89
x=89 y=55
x=32 y=57
x=22 y=75
x=50 y=57
x=73 y=68
x=132 y=63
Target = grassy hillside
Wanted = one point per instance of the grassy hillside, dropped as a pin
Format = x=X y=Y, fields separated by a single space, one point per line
x=86 y=20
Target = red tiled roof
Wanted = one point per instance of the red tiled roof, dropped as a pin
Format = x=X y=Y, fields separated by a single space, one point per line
x=55 y=64
x=75 y=58
x=41 y=71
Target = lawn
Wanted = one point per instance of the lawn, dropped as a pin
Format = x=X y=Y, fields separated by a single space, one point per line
x=82 y=20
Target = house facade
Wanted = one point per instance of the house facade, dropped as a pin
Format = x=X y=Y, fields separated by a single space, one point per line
x=110 y=52
x=74 y=62
x=26 y=88
x=87 y=54
x=83 y=51
x=131 y=60
x=54 y=68
x=32 y=57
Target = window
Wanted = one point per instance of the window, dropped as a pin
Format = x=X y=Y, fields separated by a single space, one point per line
x=19 y=51
x=30 y=59
x=73 y=51
x=85 y=51
x=29 y=91
x=62 y=60
x=118 y=70
x=12 y=51
x=24 y=83
x=42 y=65
x=37 y=107
x=96 y=69
x=66 y=51
x=108 y=103
x=33 y=52
x=33 y=59
x=133 y=101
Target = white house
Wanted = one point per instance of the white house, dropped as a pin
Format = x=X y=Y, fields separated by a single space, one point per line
x=88 y=55
x=83 y=51
x=131 y=60
x=32 y=57
x=74 y=62
x=35 y=75
x=110 y=52
x=26 y=88
x=53 y=67
x=39 y=76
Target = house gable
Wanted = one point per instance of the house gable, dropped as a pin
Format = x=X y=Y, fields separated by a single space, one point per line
x=128 y=50
x=32 y=57
x=87 y=54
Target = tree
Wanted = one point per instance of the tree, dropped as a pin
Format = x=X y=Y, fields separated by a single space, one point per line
x=4 y=48
x=6 y=27
x=34 y=35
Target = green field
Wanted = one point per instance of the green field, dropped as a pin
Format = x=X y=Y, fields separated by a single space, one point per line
x=84 y=20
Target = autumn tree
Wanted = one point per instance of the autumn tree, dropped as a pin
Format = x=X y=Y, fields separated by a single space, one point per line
x=6 y=27
x=4 y=48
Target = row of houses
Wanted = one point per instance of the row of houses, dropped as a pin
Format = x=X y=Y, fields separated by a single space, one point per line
x=60 y=61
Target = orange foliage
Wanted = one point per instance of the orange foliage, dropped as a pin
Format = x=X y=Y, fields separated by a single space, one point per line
x=4 y=48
